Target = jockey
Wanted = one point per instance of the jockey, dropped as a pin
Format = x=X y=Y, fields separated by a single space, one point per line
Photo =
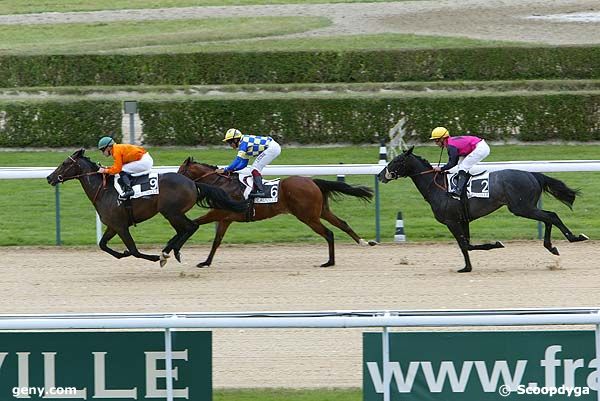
x=263 y=147
x=464 y=151
x=129 y=159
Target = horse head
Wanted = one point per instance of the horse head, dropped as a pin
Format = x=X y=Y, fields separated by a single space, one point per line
x=72 y=167
x=398 y=167
x=193 y=169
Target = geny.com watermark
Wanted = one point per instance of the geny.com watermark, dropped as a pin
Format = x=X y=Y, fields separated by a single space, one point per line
x=41 y=391
x=563 y=390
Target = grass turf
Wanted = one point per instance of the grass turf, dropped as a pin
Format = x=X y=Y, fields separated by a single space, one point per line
x=27 y=208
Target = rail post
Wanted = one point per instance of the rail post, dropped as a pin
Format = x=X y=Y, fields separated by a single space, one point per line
x=57 y=212
x=382 y=161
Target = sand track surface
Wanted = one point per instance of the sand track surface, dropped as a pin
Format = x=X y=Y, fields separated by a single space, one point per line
x=286 y=277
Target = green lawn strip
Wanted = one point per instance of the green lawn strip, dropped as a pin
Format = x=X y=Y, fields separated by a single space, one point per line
x=39 y=6
x=27 y=206
x=111 y=36
x=263 y=95
x=288 y=395
x=201 y=90
x=386 y=41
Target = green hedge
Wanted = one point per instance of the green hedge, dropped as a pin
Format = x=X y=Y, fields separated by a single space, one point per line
x=58 y=124
x=480 y=64
x=574 y=117
x=539 y=117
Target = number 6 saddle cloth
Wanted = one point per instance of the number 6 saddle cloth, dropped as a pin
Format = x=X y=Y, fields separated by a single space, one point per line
x=271 y=187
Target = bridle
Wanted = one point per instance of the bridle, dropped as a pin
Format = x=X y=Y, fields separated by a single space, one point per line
x=186 y=171
x=392 y=175
x=61 y=177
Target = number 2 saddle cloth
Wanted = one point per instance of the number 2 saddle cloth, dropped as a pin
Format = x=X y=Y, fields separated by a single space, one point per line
x=477 y=187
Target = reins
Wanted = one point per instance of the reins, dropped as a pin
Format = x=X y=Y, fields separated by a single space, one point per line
x=443 y=188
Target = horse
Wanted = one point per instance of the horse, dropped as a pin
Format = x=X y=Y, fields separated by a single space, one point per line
x=177 y=195
x=518 y=190
x=305 y=198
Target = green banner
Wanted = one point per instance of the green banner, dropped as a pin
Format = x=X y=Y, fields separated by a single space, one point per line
x=104 y=365
x=482 y=366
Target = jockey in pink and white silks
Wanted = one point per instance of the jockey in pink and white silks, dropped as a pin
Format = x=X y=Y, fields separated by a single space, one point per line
x=464 y=151
x=265 y=148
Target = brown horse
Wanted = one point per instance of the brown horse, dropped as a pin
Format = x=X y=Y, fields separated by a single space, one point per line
x=177 y=195
x=304 y=197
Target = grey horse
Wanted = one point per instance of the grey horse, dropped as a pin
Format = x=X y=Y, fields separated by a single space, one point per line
x=518 y=190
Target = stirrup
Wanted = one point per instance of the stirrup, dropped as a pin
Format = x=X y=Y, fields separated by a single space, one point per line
x=256 y=195
x=126 y=195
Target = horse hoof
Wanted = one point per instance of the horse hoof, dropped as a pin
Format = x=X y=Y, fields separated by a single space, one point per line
x=165 y=255
x=373 y=243
x=499 y=244
x=178 y=256
x=126 y=253
x=583 y=237
x=163 y=259
x=465 y=270
x=554 y=251
x=327 y=264
x=203 y=264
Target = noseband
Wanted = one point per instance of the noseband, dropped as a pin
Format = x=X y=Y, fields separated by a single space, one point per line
x=61 y=177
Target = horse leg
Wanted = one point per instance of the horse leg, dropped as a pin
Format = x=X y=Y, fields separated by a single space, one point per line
x=222 y=227
x=460 y=232
x=184 y=228
x=107 y=236
x=485 y=247
x=342 y=225
x=127 y=239
x=326 y=233
x=549 y=219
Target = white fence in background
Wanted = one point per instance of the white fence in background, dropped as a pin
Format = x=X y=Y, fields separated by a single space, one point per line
x=323 y=319
x=552 y=166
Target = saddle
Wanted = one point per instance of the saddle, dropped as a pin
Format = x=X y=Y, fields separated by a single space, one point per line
x=144 y=185
x=247 y=184
x=478 y=185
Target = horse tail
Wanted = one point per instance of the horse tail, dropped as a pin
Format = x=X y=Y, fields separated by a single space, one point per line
x=334 y=189
x=558 y=189
x=216 y=198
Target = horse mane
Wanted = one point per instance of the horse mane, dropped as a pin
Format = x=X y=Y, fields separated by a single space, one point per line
x=208 y=165
x=423 y=161
x=89 y=161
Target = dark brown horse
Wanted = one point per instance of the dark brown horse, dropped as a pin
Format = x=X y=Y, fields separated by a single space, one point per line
x=304 y=197
x=177 y=195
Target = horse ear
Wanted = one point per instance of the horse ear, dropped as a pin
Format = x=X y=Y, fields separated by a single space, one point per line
x=409 y=150
x=79 y=153
x=188 y=160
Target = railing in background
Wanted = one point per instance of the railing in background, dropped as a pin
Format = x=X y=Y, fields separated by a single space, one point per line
x=554 y=166
x=321 y=319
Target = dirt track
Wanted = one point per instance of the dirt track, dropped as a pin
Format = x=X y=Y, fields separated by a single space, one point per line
x=409 y=276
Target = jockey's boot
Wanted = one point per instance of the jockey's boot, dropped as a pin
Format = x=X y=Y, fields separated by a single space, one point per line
x=461 y=183
x=126 y=186
x=259 y=189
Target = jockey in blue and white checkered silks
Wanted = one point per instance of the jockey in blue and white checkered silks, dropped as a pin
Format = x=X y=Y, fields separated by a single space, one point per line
x=264 y=148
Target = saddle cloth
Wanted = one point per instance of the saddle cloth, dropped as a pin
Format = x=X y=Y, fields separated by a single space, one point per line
x=142 y=185
x=271 y=187
x=477 y=187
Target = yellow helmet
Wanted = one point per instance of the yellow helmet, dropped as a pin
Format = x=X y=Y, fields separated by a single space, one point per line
x=439 y=132
x=232 y=133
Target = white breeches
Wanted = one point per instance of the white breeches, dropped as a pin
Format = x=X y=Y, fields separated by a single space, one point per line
x=267 y=156
x=139 y=167
x=481 y=151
